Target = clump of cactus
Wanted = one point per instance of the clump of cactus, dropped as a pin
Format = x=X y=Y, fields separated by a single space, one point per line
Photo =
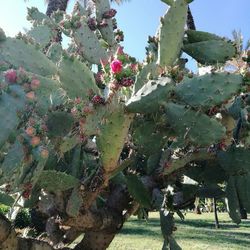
x=86 y=150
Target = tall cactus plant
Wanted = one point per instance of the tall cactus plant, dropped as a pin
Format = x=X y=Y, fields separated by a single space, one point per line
x=85 y=150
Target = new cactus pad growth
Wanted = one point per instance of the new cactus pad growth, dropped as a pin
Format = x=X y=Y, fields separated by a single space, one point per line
x=89 y=135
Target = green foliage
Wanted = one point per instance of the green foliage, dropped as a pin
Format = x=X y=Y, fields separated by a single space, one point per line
x=22 y=219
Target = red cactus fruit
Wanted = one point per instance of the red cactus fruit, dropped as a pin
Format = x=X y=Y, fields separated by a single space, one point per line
x=109 y=14
x=11 y=76
x=127 y=82
x=98 y=100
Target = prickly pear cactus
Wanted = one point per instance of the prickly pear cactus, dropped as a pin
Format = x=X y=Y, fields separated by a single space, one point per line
x=92 y=147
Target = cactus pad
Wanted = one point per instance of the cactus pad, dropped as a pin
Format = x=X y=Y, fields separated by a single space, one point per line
x=189 y=125
x=210 y=52
x=171 y=33
x=151 y=96
x=209 y=90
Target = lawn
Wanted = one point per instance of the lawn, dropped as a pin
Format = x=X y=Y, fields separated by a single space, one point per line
x=196 y=232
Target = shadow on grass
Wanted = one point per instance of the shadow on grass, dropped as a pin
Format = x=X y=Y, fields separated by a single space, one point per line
x=207 y=224
x=194 y=229
x=218 y=238
x=140 y=231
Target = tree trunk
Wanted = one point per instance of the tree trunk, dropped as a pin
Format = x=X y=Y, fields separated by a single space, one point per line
x=54 y=5
x=190 y=20
x=217 y=225
x=197 y=205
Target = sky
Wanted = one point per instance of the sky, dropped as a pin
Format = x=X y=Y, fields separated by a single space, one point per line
x=140 y=18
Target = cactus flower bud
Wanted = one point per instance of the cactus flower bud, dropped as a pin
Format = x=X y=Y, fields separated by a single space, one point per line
x=116 y=66
x=31 y=95
x=30 y=131
x=35 y=141
x=34 y=84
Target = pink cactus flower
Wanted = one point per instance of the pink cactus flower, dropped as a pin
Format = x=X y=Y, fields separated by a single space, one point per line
x=11 y=76
x=116 y=66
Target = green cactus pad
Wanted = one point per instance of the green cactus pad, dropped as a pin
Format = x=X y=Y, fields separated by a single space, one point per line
x=235 y=160
x=233 y=200
x=153 y=162
x=9 y=108
x=35 y=16
x=234 y=109
x=52 y=180
x=41 y=34
x=6 y=199
x=210 y=52
x=195 y=36
x=68 y=143
x=168 y=2
x=49 y=94
x=151 y=96
x=89 y=44
x=138 y=191
x=59 y=123
x=93 y=120
x=243 y=188
x=167 y=224
x=12 y=163
x=171 y=33
x=30 y=173
x=189 y=125
x=77 y=79
x=74 y=203
x=54 y=52
x=20 y=54
x=210 y=191
x=148 y=71
x=147 y=138
x=209 y=90
x=107 y=32
x=112 y=136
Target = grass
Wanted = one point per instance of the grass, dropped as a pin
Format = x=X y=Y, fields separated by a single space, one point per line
x=196 y=232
